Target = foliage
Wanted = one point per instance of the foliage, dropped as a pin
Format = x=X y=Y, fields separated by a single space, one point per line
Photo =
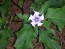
x=53 y=11
x=25 y=37
x=57 y=16
x=5 y=32
x=53 y=14
x=23 y=17
x=4 y=36
x=4 y=7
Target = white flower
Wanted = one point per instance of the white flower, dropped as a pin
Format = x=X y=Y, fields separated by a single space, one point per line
x=36 y=19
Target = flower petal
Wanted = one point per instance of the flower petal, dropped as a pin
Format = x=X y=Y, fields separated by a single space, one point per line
x=36 y=14
x=33 y=24
x=31 y=17
x=41 y=17
x=39 y=24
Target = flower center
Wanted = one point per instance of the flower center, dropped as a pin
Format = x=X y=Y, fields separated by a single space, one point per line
x=36 y=19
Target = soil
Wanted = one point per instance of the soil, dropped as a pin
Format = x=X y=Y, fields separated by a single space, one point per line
x=16 y=24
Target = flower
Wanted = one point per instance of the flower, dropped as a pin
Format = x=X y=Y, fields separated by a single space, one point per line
x=36 y=19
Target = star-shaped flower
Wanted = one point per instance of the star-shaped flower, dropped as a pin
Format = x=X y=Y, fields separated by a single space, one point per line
x=36 y=19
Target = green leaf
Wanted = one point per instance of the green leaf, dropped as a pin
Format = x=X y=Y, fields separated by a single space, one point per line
x=20 y=3
x=46 y=24
x=48 y=42
x=23 y=17
x=38 y=1
x=24 y=37
x=57 y=16
x=44 y=7
x=56 y=3
x=5 y=7
x=4 y=36
x=2 y=21
x=36 y=29
x=33 y=6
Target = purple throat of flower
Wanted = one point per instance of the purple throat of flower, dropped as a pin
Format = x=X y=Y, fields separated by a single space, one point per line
x=36 y=19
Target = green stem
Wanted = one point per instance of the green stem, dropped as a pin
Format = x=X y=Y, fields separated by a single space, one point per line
x=37 y=32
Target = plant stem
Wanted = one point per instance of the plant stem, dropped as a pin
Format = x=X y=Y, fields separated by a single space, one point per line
x=38 y=35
